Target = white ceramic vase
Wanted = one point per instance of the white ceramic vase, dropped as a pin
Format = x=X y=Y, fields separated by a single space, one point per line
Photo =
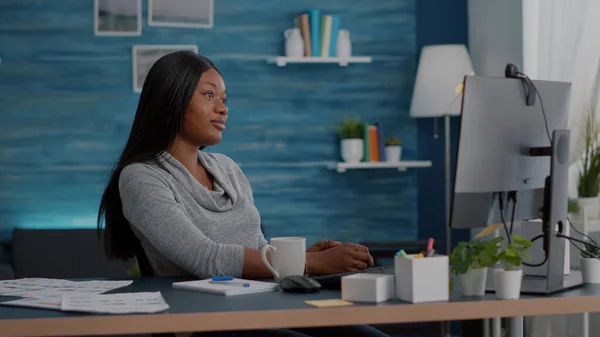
x=343 y=44
x=294 y=44
x=507 y=283
x=473 y=282
x=393 y=153
x=352 y=150
x=590 y=269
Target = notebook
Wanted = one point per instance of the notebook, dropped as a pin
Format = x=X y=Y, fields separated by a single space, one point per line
x=234 y=287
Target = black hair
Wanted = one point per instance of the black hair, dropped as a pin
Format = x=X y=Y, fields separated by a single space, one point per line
x=165 y=95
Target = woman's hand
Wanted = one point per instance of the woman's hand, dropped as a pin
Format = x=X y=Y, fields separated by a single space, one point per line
x=346 y=257
x=322 y=245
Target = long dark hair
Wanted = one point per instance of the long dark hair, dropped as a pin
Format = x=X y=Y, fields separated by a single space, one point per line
x=167 y=90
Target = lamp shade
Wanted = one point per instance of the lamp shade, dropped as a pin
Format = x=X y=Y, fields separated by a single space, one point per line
x=440 y=72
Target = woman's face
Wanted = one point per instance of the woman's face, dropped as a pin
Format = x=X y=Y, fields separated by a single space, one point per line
x=205 y=118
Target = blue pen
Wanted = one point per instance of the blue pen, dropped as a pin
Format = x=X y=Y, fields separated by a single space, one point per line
x=227 y=280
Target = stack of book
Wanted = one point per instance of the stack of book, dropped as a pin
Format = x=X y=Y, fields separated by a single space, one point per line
x=319 y=33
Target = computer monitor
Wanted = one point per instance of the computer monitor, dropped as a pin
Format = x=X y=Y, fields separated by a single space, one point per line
x=505 y=153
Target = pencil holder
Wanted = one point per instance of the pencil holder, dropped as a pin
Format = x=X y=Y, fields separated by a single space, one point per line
x=422 y=279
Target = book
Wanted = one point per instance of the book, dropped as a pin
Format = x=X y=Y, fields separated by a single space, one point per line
x=227 y=288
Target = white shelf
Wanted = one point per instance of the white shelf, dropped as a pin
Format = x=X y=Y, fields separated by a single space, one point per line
x=282 y=61
x=400 y=166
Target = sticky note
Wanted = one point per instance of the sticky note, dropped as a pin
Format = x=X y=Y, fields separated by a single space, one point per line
x=328 y=303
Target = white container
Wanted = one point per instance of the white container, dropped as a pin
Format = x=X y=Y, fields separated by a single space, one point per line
x=590 y=269
x=393 y=153
x=352 y=150
x=507 y=283
x=421 y=280
x=473 y=282
x=373 y=288
x=343 y=44
x=294 y=44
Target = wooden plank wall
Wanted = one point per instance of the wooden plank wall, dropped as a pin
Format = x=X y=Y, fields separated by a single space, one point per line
x=66 y=106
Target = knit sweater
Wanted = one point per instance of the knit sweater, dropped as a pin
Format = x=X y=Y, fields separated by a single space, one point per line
x=185 y=228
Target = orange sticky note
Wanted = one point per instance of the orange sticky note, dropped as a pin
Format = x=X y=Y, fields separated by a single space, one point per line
x=328 y=303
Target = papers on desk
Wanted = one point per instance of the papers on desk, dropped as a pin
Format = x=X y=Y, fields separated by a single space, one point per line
x=126 y=303
x=39 y=287
x=85 y=296
x=233 y=287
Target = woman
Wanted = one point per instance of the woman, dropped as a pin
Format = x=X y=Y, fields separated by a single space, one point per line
x=192 y=211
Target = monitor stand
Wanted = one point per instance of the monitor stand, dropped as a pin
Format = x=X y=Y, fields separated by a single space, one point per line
x=554 y=220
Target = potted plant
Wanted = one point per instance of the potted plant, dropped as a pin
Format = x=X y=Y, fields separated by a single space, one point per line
x=590 y=263
x=588 y=187
x=470 y=261
x=393 y=149
x=508 y=277
x=351 y=133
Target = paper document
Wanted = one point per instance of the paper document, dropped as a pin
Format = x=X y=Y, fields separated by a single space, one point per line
x=97 y=303
x=234 y=287
x=47 y=302
x=39 y=287
x=150 y=302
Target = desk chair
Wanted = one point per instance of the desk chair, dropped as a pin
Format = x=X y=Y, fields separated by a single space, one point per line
x=146 y=271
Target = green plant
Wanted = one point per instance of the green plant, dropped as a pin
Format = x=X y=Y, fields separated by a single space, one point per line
x=472 y=255
x=351 y=129
x=515 y=253
x=573 y=206
x=589 y=174
x=591 y=251
x=393 y=141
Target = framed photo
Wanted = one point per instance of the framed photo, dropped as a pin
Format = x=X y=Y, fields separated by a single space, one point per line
x=144 y=57
x=118 y=17
x=181 y=13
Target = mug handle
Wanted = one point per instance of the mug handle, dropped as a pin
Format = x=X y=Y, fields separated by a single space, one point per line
x=263 y=254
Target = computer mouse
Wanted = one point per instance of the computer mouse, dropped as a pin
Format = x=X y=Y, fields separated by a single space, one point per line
x=299 y=284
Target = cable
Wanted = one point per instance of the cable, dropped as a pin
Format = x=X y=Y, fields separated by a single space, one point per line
x=501 y=206
x=577 y=240
x=542 y=104
x=580 y=233
x=513 y=196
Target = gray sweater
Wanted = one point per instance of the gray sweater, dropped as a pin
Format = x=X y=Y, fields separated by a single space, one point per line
x=185 y=228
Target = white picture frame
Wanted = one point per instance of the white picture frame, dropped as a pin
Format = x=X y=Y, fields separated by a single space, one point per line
x=144 y=56
x=118 y=17
x=181 y=13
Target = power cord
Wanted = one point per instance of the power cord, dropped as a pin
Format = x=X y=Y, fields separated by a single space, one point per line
x=501 y=207
x=541 y=103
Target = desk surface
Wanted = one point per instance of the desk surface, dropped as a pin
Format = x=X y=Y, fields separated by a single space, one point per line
x=192 y=311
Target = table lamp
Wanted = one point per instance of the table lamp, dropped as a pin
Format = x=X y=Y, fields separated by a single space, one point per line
x=438 y=93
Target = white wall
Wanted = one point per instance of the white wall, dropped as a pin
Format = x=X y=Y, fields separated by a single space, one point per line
x=495 y=35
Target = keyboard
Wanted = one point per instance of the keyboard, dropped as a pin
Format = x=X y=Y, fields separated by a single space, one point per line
x=334 y=281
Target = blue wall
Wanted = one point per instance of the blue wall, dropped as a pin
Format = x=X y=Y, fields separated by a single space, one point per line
x=66 y=106
x=438 y=22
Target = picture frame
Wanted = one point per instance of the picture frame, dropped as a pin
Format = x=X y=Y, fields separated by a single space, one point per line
x=144 y=56
x=118 y=17
x=181 y=13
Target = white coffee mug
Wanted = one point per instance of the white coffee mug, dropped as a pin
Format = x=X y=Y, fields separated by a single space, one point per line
x=288 y=256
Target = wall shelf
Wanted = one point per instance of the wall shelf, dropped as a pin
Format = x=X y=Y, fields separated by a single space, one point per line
x=282 y=61
x=341 y=167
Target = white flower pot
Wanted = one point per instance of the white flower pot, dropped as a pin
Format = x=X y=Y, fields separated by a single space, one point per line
x=590 y=269
x=507 y=283
x=473 y=282
x=592 y=206
x=393 y=153
x=352 y=150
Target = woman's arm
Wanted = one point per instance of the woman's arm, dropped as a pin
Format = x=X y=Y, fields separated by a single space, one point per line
x=150 y=207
